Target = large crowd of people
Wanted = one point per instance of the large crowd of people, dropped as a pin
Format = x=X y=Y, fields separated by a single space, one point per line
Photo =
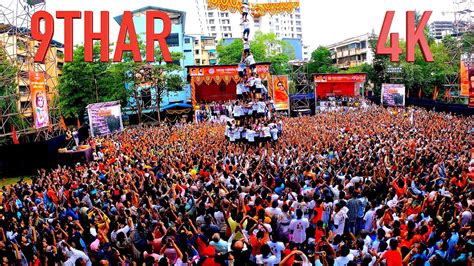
x=366 y=186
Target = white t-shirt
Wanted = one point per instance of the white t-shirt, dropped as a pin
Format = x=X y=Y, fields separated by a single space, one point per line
x=246 y=45
x=250 y=135
x=266 y=132
x=299 y=226
x=368 y=217
x=249 y=60
x=245 y=25
x=273 y=211
x=277 y=248
x=274 y=133
x=245 y=8
x=237 y=112
x=261 y=107
x=240 y=88
x=269 y=261
x=343 y=261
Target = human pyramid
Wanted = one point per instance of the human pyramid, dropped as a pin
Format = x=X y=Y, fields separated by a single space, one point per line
x=253 y=112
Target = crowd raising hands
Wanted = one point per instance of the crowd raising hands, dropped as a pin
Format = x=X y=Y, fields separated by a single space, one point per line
x=360 y=187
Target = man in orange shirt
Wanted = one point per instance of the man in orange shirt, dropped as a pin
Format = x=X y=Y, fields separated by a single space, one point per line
x=393 y=257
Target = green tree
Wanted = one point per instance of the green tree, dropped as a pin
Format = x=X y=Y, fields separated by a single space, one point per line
x=83 y=83
x=230 y=54
x=265 y=47
x=7 y=80
x=321 y=61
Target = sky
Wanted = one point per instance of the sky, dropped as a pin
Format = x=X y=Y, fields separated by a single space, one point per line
x=324 y=22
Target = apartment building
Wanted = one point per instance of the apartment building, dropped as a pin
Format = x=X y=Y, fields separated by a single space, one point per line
x=21 y=50
x=205 y=50
x=351 y=52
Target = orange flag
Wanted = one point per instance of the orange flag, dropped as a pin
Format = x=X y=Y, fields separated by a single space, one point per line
x=435 y=93
x=14 y=136
x=63 y=124
x=419 y=93
x=78 y=123
x=50 y=127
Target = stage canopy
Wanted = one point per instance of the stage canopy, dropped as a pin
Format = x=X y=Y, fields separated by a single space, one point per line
x=219 y=82
x=336 y=85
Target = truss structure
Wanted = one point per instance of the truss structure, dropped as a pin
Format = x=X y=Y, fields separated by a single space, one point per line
x=301 y=79
x=19 y=50
x=463 y=14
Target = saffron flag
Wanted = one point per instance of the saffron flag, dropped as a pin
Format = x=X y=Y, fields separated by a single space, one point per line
x=435 y=93
x=14 y=136
x=419 y=93
x=63 y=124
x=78 y=123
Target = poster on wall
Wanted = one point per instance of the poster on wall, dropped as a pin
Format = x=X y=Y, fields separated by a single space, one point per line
x=466 y=66
x=281 y=97
x=105 y=118
x=39 y=99
x=393 y=95
x=471 y=87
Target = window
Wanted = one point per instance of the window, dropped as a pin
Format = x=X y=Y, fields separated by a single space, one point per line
x=173 y=40
x=24 y=74
x=214 y=35
x=60 y=65
x=363 y=44
x=23 y=89
x=197 y=62
x=24 y=105
x=213 y=28
x=187 y=51
x=298 y=23
x=298 y=29
x=210 y=14
x=211 y=21
x=197 y=51
x=21 y=59
x=277 y=27
x=298 y=16
x=299 y=36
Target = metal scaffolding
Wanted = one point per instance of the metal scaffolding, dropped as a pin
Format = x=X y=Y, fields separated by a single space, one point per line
x=301 y=79
x=462 y=11
x=18 y=50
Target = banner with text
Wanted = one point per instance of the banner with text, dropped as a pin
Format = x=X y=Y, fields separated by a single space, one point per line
x=39 y=100
x=281 y=97
x=393 y=95
x=105 y=118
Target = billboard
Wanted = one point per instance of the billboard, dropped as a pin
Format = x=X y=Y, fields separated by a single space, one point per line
x=466 y=65
x=105 y=118
x=393 y=95
x=39 y=99
x=281 y=97
x=323 y=78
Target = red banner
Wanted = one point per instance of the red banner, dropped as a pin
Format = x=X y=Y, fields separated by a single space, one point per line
x=281 y=97
x=471 y=87
x=322 y=78
x=39 y=100
x=203 y=71
x=466 y=65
